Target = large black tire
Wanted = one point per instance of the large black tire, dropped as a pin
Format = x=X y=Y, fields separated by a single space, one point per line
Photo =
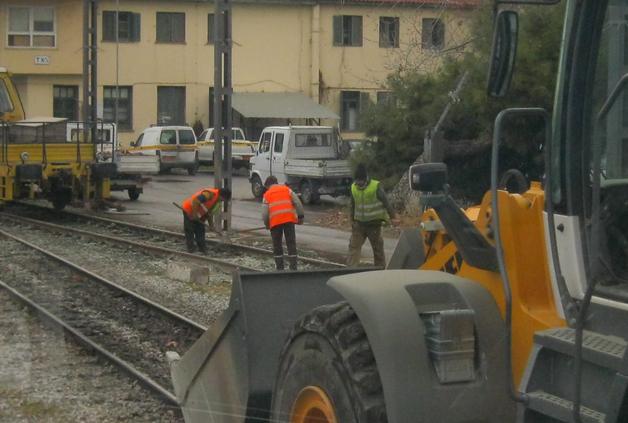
x=257 y=188
x=309 y=192
x=328 y=350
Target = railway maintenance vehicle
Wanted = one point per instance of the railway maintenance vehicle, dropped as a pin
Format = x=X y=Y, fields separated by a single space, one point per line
x=513 y=310
x=36 y=161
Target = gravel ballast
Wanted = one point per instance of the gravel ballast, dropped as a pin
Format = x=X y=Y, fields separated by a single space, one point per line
x=45 y=376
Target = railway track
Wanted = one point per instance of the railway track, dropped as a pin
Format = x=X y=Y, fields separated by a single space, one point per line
x=127 y=329
x=228 y=255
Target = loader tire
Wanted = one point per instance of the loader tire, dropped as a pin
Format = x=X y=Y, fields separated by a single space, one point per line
x=327 y=371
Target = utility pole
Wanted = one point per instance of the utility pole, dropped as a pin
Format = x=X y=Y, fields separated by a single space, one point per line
x=222 y=103
x=90 y=72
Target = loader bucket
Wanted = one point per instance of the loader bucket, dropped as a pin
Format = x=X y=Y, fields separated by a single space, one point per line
x=228 y=374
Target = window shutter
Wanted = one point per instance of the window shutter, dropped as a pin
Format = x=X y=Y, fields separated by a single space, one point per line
x=108 y=26
x=396 y=32
x=163 y=27
x=210 y=28
x=356 y=31
x=439 y=34
x=179 y=27
x=426 y=33
x=337 y=30
x=365 y=100
x=135 y=27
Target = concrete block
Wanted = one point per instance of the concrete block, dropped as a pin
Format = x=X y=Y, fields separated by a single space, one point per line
x=188 y=273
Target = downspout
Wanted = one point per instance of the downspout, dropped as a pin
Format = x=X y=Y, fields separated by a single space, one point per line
x=315 y=49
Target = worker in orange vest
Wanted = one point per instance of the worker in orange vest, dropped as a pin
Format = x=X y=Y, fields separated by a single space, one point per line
x=281 y=210
x=200 y=208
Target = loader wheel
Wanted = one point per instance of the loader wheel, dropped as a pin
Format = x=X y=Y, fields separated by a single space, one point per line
x=327 y=371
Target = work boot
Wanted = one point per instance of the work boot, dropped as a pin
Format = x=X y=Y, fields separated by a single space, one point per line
x=191 y=248
x=292 y=261
x=279 y=263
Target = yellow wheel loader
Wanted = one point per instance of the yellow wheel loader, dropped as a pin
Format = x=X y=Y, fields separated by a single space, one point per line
x=513 y=310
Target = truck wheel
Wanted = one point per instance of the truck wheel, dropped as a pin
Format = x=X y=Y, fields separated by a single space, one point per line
x=134 y=194
x=257 y=188
x=327 y=371
x=309 y=193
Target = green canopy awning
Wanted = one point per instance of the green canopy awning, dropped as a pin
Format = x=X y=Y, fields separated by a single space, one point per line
x=279 y=105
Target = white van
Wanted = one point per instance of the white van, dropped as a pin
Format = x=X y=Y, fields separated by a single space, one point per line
x=241 y=149
x=107 y=138
x=174 y=145
x=310 y=159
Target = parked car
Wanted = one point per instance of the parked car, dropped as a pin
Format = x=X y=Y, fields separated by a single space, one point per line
x=241 y=149
x=131 y=170
x=174 y=145
x=309 y=159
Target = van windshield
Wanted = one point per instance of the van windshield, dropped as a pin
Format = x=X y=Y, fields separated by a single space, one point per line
x=186 y=137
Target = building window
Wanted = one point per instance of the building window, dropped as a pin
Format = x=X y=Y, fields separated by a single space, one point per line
x=384 y=97
x=433 y=34
x=170 y=27
x=65 y=101
x=210 y=28
x=171 y=105
x=348 y=31
x=123 y=110
x=128 y=26
x=350 y=103
x=388 y=32
x=31 y=27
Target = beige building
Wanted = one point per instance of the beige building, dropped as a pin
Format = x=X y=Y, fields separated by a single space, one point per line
x=335 y=53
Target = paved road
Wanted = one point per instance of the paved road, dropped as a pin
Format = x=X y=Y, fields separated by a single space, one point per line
x=157 y=209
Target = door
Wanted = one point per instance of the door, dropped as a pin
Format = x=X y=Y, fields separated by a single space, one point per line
x=277 y=165
x=168 y=146
x=262 y=159
x=186 y=149
x=205 y=151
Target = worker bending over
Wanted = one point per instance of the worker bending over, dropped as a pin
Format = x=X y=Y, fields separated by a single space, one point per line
x=200 y=208
x=281 y=209
x=369 y=210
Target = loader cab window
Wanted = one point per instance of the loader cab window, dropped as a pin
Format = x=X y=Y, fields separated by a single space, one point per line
x=605 y=161
x=5 y=101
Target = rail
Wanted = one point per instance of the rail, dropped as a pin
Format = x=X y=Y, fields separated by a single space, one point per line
x=225 y=265
x=315 y=262
x=87 y=340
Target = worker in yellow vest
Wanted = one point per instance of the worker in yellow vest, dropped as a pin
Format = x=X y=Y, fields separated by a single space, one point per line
x=281 y=210
x=198 y=209
x=369 y=210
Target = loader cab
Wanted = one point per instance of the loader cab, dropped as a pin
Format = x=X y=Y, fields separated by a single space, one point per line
x=589 y=169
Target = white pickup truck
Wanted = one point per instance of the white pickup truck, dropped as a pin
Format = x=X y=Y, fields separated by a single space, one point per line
x=241 y=149
x=309 y=159
x=131 y=170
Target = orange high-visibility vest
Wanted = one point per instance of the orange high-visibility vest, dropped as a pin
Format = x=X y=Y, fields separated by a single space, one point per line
x=187 y=203
x=280 y=207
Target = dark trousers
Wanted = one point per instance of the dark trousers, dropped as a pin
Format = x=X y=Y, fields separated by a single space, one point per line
x=278 y=233
x=360 y=232
x=194 y=231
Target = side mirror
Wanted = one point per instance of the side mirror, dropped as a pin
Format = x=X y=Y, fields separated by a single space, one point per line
x=503 y=53
x=428 y=177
